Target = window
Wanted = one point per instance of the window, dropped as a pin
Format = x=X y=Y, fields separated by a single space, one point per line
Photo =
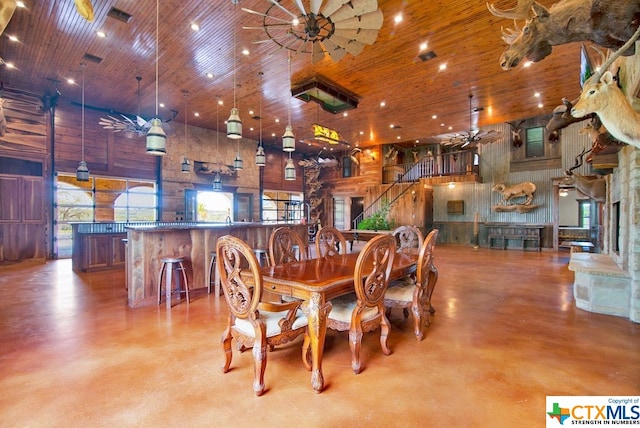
x=214 y=206
x=534 y=146
x=101 y=199
x=339 y=213
x=584 y=213
x=282 y=206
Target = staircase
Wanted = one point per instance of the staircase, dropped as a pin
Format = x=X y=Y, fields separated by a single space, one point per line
x=442 y=165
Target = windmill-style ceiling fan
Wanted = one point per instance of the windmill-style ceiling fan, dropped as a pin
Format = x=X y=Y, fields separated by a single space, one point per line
x=470 y=138
x=332 y=27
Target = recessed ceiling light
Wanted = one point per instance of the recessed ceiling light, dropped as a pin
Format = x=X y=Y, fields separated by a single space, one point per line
x=20 y=4
x=161 y=105
x=345 y=114
x=295 y=21
x=361 y=132
x=382 y=104
x=9 y=65
x=443 y=66
x=527 y=64
x=398 y=137
x=196 y=114
x=71 y=81
x=398 y=18
x=536 y=94
x=251 y=112
x=424 y=46
x=251 y=129
x=392 y=126
x=273 y=134
x=277 y=120
x=195 y=27
x=245 y=51
x=540 y=105
x=435 y=116
x=450 y=128
x=13 y=38
x=210 y=75
x=101 y=34
x=220 y=102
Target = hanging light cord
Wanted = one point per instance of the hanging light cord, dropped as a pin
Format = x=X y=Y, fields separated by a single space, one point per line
x=289 y=61
x=157 y=50
x=83 y=65
x=218 y=132
x=260 y=107
x=235 y=12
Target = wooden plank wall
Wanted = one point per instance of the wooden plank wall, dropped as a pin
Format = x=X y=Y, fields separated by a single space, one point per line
x=24 y=233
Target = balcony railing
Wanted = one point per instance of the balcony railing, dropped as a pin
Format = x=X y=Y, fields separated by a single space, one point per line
x=446 y=164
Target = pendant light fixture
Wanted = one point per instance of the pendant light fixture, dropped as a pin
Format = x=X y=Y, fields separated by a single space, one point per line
x=156 y=138
x=289 y=169
x=288 y=139
x=217 y=182
x=260 y=156
x=234 y=123
x=185 y=167
x=82 y=172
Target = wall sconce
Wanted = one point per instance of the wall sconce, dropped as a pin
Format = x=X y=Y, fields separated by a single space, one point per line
x=371 y=154
x=452 y=185
x=413 y=195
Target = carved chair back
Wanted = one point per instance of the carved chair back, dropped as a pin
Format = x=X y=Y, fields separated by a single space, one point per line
x=285 y=246
x=330 y=242
x=408 y=237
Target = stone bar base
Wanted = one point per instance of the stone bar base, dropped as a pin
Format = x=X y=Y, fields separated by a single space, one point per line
x=600 y=285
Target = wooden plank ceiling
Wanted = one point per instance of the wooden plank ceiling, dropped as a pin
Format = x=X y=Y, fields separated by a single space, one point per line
x=54 y=39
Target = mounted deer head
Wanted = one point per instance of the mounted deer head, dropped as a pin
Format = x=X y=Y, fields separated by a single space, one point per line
x=602 y=96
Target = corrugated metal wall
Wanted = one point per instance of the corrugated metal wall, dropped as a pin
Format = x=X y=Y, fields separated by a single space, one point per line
x=494 y=168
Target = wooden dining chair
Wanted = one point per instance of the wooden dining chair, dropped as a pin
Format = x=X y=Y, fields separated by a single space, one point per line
x=408 y=238
x=285 y=245
x=364 y=311
x=330 y=242
x=415 y=293
x=252 y=322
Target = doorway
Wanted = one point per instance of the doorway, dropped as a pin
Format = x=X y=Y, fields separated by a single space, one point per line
x=357 y=206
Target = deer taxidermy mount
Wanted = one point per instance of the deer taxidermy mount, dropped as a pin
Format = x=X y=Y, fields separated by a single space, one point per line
x=604 y=22
x=602 y=95
x=592 y=187
x=516 y=133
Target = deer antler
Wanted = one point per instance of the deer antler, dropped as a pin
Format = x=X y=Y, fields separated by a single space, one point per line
x=578 y=161
x=521 y=11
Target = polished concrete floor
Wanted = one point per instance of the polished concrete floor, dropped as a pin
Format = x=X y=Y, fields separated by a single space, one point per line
x=505 y=335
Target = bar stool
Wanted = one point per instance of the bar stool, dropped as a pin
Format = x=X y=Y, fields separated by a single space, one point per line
x=213 y=274
x=169 y=265
x=262 y=255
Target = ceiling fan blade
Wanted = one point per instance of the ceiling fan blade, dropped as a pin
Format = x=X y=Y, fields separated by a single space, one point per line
x=354 y=8
x=265 y=15
x=351 y=46
x=370 y=21
x=317 y=54
x=267 y=26
x=331 y=6
x=363 y=36
x=315 y=6
x=301 y=7
x=277 y=3
x=335 y=52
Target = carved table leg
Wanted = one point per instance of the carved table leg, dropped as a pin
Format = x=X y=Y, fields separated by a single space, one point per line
x=316 y=310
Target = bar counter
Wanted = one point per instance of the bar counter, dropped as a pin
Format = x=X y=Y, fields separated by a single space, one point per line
x=147 y=244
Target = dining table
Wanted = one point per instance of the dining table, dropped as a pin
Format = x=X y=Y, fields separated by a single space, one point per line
x=317 y=281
